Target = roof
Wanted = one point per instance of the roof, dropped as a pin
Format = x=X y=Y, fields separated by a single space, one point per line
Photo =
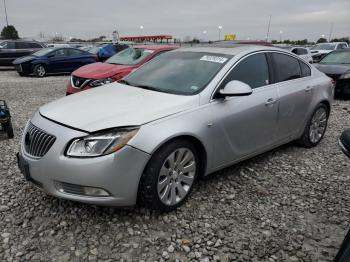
x=156 y=47
x=230 y=50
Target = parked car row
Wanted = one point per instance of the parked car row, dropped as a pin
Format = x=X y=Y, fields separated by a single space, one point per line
x=320 y=50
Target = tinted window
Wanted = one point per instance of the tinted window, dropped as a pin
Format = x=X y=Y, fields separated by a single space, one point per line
x=301 y=51
x=61 y=52
x=8 y=45
x=252 y=70
x=75 y=52
x=305 y=69
x=22 y=45
x=35 y=45
x=286 y=67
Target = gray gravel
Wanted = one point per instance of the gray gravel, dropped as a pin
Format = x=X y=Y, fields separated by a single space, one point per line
x=291 y=204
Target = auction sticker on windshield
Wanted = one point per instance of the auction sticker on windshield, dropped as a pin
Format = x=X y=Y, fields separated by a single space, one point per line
x=215 y=59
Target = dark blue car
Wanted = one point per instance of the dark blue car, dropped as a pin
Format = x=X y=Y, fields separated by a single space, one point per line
x=57 y=60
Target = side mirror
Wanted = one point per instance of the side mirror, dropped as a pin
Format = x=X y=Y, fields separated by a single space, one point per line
x=235 y=88
x=344 y=142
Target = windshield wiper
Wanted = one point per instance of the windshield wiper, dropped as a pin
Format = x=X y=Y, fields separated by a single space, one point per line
x=147 y=87
x=122 y=81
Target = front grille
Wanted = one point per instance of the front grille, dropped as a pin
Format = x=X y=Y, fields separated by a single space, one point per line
x=19 y=68
x=79 y=82
x=37 y=142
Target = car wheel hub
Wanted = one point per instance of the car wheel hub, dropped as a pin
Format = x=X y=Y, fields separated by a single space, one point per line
x=176 y=176
x=318 y=125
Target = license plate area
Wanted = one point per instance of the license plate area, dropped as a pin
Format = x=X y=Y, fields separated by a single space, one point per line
x=23 y=167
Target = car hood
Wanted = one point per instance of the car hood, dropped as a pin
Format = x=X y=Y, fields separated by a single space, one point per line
x=115 y=105
x=23 y=59
x=333 y=69
x=100 y=70
x=316 y=52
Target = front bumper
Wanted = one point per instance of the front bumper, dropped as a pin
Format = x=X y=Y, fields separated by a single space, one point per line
x=118 y=173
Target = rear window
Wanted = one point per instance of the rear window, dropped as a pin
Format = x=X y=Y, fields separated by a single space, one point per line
x=286 y=67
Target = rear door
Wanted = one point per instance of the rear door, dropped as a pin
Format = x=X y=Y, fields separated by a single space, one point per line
x=78 y=58
x=292 y=77
x=247 y=124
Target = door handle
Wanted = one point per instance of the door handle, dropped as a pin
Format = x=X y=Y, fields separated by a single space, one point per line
x=270 y=101
x=308 y=89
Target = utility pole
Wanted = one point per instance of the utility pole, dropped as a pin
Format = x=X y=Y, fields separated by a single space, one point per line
x=330 y=33
x=268 y=29
x=7 y=22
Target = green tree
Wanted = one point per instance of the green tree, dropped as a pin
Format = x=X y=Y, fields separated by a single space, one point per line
x=9 y=32
x=321 y=40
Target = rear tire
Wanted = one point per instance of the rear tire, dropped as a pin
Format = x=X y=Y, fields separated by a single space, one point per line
x=316 y=127
x=169 y=177
x=21 y=74
x=39 y=70
x=10 y=133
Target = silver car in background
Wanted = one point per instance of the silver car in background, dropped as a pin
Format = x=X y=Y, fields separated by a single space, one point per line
x=303 y=52
x=184 y=115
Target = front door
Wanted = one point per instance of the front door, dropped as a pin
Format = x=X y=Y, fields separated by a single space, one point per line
x=246 y=125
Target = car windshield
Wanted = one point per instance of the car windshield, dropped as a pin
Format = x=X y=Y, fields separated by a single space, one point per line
x=129 y=56
x=336 y=58
x=183 y=73
x=43 y=51
x=325 y=46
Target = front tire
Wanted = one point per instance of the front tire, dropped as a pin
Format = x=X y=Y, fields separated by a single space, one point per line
x=39 y=70
x=10 y=133
x=169 y=176
x=316 y=127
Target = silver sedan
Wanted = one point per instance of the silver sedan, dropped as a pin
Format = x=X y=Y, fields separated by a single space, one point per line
x=183 y=115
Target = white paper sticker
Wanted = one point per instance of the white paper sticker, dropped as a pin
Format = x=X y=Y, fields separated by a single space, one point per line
x=214 y=59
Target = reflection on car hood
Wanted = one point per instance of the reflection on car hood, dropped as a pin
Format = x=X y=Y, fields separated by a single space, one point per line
x=99 y=70
x=115 y=105
x=333 y=69
x=23 y=59
x=317 y=52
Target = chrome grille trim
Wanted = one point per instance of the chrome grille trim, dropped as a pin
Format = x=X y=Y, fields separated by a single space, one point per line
x=37 y=142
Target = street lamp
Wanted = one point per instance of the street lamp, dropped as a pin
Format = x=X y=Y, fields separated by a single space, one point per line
x=281 y=32
x=220 y=28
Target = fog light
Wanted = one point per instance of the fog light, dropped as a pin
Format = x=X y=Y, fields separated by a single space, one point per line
x=81 y=190
x=94 y=191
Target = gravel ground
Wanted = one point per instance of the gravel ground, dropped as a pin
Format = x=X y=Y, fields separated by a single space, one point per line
x=290 y=204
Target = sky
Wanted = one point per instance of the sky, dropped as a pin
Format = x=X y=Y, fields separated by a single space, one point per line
x=248 y=19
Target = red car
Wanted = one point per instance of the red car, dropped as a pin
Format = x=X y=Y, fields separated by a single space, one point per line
x=114 y=68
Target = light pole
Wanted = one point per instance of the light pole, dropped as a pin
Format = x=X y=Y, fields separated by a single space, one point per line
x=7 y=22
x=281 y=32
x=220 y=28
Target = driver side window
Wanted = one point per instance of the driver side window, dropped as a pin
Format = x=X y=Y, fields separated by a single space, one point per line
x=252 y=70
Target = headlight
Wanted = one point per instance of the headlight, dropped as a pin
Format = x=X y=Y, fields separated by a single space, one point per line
x=101 y=82
x=345 y=76
x=101 y=143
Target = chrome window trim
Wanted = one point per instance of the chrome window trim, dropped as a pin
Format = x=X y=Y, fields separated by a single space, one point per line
x=260 y=87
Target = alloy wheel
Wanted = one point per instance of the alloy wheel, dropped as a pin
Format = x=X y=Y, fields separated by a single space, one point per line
x=318 y=125
x=41 y=71
x=176 y=176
